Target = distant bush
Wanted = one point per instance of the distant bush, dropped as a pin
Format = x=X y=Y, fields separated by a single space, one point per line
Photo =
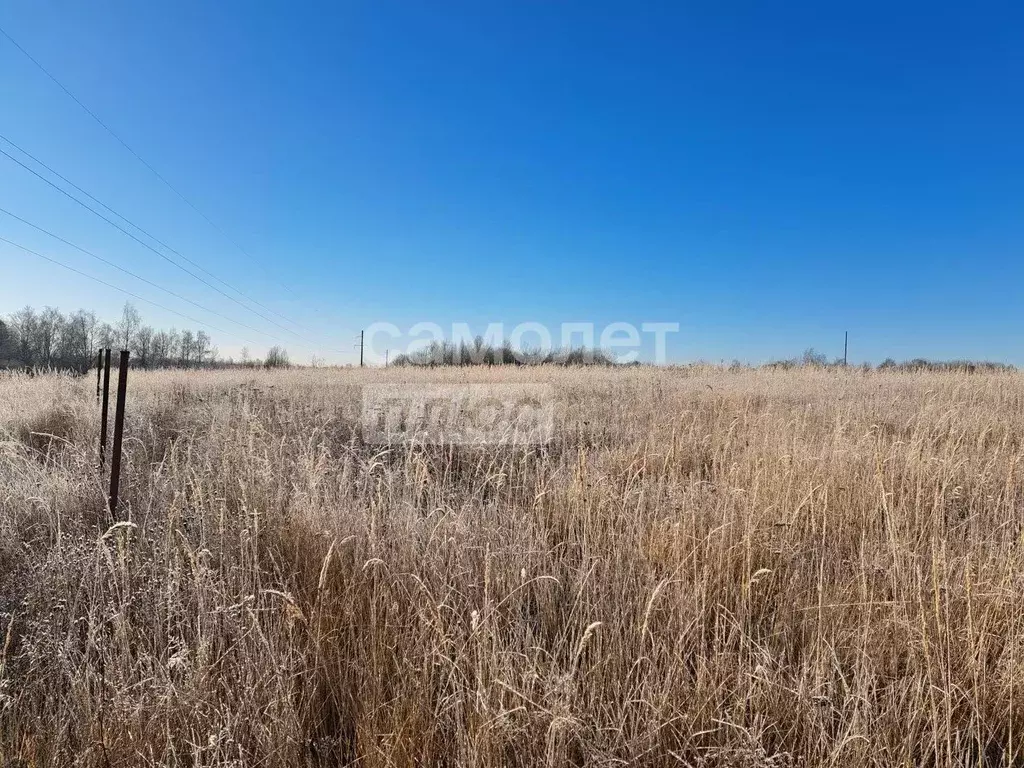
x=814 y=358
x=277 y=357
x=811 y=358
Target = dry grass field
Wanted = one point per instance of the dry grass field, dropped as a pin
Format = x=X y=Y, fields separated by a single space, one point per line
x=701 y=568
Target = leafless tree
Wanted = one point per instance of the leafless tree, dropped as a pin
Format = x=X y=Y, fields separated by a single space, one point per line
x=144 y=346
x=25 y=321
x=128 y=326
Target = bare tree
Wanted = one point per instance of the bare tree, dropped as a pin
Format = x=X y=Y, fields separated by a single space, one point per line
x=144 y=346
x=174 y=346
x=8 y=345
x=161 y=349
x=86 y=320
x=47 y=335
x=128 y=326
x=25 y=322
x=74 y=346
x=186 y=347
x=106 y=336
x=203 y=350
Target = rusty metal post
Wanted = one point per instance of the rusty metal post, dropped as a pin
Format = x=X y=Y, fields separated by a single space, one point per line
x=115 y=458
x=103 y=410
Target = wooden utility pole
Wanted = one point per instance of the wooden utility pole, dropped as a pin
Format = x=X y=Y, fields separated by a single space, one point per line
x=846 y=345
x=361 y=348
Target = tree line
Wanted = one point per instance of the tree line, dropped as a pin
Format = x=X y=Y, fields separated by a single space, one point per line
x=479 y=352
x=814 y=359
x=50 y=339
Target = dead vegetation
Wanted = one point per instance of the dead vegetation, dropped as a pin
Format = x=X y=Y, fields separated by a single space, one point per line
x=704 y=568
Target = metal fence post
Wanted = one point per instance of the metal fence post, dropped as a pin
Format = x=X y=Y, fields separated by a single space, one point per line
x=103 y=412
x=99 y=370
x=115 y=459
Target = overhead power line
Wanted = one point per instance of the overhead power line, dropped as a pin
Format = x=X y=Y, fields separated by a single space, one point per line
x=309 y=344
x=312 y=344
x=136 y=155
x=141 y=242
x=122 y=290
x=136 y=296
x=150 y=235
x=137 y=277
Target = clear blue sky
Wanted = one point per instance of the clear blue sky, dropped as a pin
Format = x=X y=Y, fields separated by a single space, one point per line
x=766 y=174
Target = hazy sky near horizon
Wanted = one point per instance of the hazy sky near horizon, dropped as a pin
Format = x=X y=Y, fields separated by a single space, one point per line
x=767 y=175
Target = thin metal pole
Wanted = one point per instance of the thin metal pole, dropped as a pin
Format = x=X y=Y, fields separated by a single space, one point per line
x=99 y=370
x=115 y=458
x=361 y=349
x=103 y=412
x=846 y=344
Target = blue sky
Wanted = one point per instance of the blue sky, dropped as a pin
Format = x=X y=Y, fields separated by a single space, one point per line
x=766 y=174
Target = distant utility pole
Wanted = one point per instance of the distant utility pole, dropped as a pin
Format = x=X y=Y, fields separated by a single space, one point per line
x=846 y=345
x=386 y=353
x=360 y=345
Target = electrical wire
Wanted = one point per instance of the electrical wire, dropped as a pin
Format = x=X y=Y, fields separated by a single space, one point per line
x=122 y=290
x=144 y=244
x=137 y=277
x=150 y=235
x=135 y=154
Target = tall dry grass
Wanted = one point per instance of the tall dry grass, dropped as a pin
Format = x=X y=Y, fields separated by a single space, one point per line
x=702 y=568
